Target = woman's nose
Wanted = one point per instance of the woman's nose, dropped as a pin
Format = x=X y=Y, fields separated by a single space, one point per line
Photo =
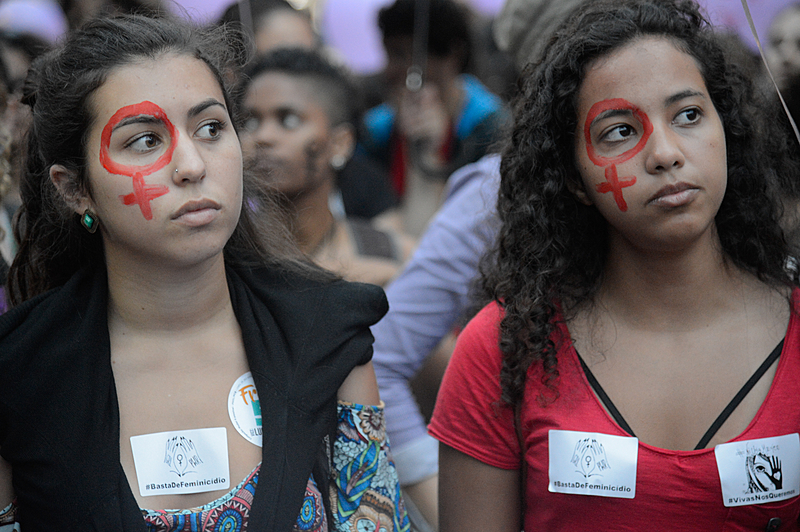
x=189 y=164
x=664 y=151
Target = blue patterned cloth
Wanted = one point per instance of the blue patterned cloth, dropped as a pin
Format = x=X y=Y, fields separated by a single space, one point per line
x=365 y=492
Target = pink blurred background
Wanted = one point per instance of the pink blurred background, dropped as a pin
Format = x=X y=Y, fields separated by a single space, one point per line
x=348 y=26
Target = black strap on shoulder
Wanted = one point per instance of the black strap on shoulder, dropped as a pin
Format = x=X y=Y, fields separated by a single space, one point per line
x=601 y=393
x=762 y=369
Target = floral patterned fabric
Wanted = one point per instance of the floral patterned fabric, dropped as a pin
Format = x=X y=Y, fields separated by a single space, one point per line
x=8 y=518
x=228 y=513
x=365 y=493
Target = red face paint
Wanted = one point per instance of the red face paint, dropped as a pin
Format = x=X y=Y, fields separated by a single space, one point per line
x=613 y=183
x=143 y=193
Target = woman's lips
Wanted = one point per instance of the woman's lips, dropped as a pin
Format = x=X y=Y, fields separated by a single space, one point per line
x=197 y=212
x=675 y=195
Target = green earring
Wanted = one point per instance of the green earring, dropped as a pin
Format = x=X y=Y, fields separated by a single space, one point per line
x=89 y=220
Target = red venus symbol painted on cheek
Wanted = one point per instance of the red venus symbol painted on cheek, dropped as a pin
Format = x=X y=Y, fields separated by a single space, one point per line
x=613 y=183
x=143 y=193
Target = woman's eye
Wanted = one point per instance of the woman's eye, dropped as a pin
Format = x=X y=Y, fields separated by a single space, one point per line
x=290 y=121
x=618 y=133
x=144 y=143
x=688 y=116
x=211 y=130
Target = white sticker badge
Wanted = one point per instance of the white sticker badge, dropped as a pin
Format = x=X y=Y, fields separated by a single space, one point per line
x=181 y=461
x=591 y=463
x=244 y=409
x=759 y=471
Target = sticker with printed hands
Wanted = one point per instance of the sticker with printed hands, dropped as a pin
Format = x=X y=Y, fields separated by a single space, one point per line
x=591 y=463
x=181 y=461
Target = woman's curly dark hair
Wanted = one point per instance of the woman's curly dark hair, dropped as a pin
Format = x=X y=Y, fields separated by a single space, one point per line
x=551 y=250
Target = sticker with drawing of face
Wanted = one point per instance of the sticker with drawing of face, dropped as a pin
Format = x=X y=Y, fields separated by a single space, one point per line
x=759 y=471
x=244 y=409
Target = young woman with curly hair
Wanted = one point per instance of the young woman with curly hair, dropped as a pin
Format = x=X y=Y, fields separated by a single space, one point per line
x=639 y=282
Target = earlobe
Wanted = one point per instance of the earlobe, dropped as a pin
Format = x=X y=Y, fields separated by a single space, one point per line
x=65 y=181
x=343 y=142
x=581 y=196
x=579 y=192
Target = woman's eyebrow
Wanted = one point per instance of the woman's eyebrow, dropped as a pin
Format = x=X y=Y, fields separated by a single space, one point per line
x=137 y=119
x=688 y=93
x=611 y=113
x=202 y=106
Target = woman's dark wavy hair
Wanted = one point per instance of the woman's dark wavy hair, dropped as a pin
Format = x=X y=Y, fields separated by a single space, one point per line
x=551 y=248
x=52 y=243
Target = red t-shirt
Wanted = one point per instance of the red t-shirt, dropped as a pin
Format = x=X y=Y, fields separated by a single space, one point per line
x=674 y=490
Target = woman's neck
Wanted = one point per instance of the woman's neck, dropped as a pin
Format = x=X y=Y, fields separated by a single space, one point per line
x=161 y=299
x=312 y=220
x=672 y=289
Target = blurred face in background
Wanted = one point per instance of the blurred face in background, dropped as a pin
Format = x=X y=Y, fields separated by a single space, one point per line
x=783 y=50
x=283 y=28
x=441 y=70
x=288 y=138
